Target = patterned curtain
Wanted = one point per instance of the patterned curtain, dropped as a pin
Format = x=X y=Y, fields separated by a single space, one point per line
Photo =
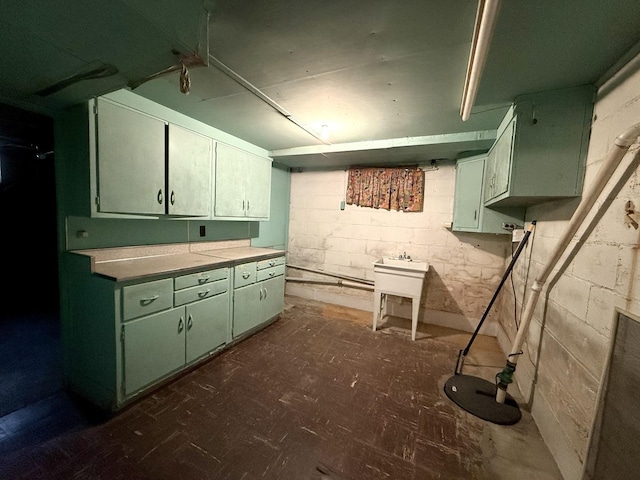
x=387 y=188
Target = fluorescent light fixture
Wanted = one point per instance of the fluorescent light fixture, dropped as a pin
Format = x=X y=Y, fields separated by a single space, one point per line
x=482 y=33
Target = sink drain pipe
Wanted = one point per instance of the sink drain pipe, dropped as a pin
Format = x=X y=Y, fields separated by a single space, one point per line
x=608 y=168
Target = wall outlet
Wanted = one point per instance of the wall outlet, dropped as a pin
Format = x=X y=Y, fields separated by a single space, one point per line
x=517 y=235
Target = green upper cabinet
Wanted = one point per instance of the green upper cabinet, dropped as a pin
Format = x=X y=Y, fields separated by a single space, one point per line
x=469 y=213
x=146 y=166
x=130 y=159
x=242 y=184
x=189 y=172
x=540 y=151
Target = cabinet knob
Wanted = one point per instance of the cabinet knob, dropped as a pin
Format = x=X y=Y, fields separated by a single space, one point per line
x=160 y=197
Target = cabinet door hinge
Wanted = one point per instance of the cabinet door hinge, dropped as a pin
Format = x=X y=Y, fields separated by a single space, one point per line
x=98 y=201
x=95 y=108
x=122 y=333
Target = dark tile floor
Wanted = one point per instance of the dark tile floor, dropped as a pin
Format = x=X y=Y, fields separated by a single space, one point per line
x=316 y=387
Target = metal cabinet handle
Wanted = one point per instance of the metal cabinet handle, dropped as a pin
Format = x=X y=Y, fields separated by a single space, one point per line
x=245 y=275
x=203 y=279
x=204 y=293
x=272 y=263
x=260 y=294
x=271 y=274
x=190 y=322
x=265 y=293
x=160 y=197
x=248 y=207
x=173 y=197
x=180 y=325
x=243 y=205
x=475 y=214
x=146 y=301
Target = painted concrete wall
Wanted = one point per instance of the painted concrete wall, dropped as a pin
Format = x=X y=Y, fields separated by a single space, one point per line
x=564 y=357
x=274 y=233
x=465 y=268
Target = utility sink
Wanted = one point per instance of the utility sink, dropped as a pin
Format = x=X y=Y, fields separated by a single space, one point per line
x=399 y=276
x=402 y=277
x=392 y=263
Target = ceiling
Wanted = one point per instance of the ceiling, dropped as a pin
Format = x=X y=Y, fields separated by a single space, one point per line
x=386 y=78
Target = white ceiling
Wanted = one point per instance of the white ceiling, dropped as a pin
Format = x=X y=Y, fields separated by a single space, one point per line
x=372 y=71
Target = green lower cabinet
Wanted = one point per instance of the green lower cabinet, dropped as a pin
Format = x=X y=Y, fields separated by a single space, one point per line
x=158 y=345
x=255 y=304
x=273 y=301
x=207 y=322
x=153 y=347
x=247 y=308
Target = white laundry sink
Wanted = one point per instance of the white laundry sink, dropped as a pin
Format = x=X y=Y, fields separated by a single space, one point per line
x=404 y=277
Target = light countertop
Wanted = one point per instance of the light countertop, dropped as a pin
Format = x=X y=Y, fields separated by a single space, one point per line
x=158 y=262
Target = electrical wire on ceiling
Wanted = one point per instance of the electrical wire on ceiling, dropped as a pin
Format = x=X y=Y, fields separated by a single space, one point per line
x=264 y=97
x=212 y=60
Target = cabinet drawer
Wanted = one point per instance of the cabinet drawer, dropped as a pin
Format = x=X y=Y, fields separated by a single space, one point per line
x=145 y=298
x=200 y=278
x=270 y=272
x=272 y=262
x=199 y=292
x=244 y=274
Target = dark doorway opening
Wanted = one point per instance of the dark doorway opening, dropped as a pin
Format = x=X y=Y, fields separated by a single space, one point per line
x=29 y=312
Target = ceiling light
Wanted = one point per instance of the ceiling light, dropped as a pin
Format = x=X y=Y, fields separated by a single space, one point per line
x=482 y=33
x=324 y=131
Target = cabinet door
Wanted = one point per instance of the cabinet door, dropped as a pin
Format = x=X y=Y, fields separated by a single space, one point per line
x=468 y=194
x=207 y=323
x=230 y=180
x=153 y=348
x=130 y=161
x=499 y=164
x=272 y=297
x=189 y=172
x=258 y=187
x=247 y=308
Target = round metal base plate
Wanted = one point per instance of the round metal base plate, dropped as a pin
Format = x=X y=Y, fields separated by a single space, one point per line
x=477 y=396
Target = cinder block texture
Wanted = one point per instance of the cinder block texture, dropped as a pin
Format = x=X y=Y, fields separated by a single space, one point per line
x=568 y=342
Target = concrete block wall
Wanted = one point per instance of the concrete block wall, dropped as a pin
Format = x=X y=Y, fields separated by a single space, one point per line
x=464 y=268
x=564 y=357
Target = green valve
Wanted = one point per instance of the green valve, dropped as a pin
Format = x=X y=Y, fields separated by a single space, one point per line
x=506 y=375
